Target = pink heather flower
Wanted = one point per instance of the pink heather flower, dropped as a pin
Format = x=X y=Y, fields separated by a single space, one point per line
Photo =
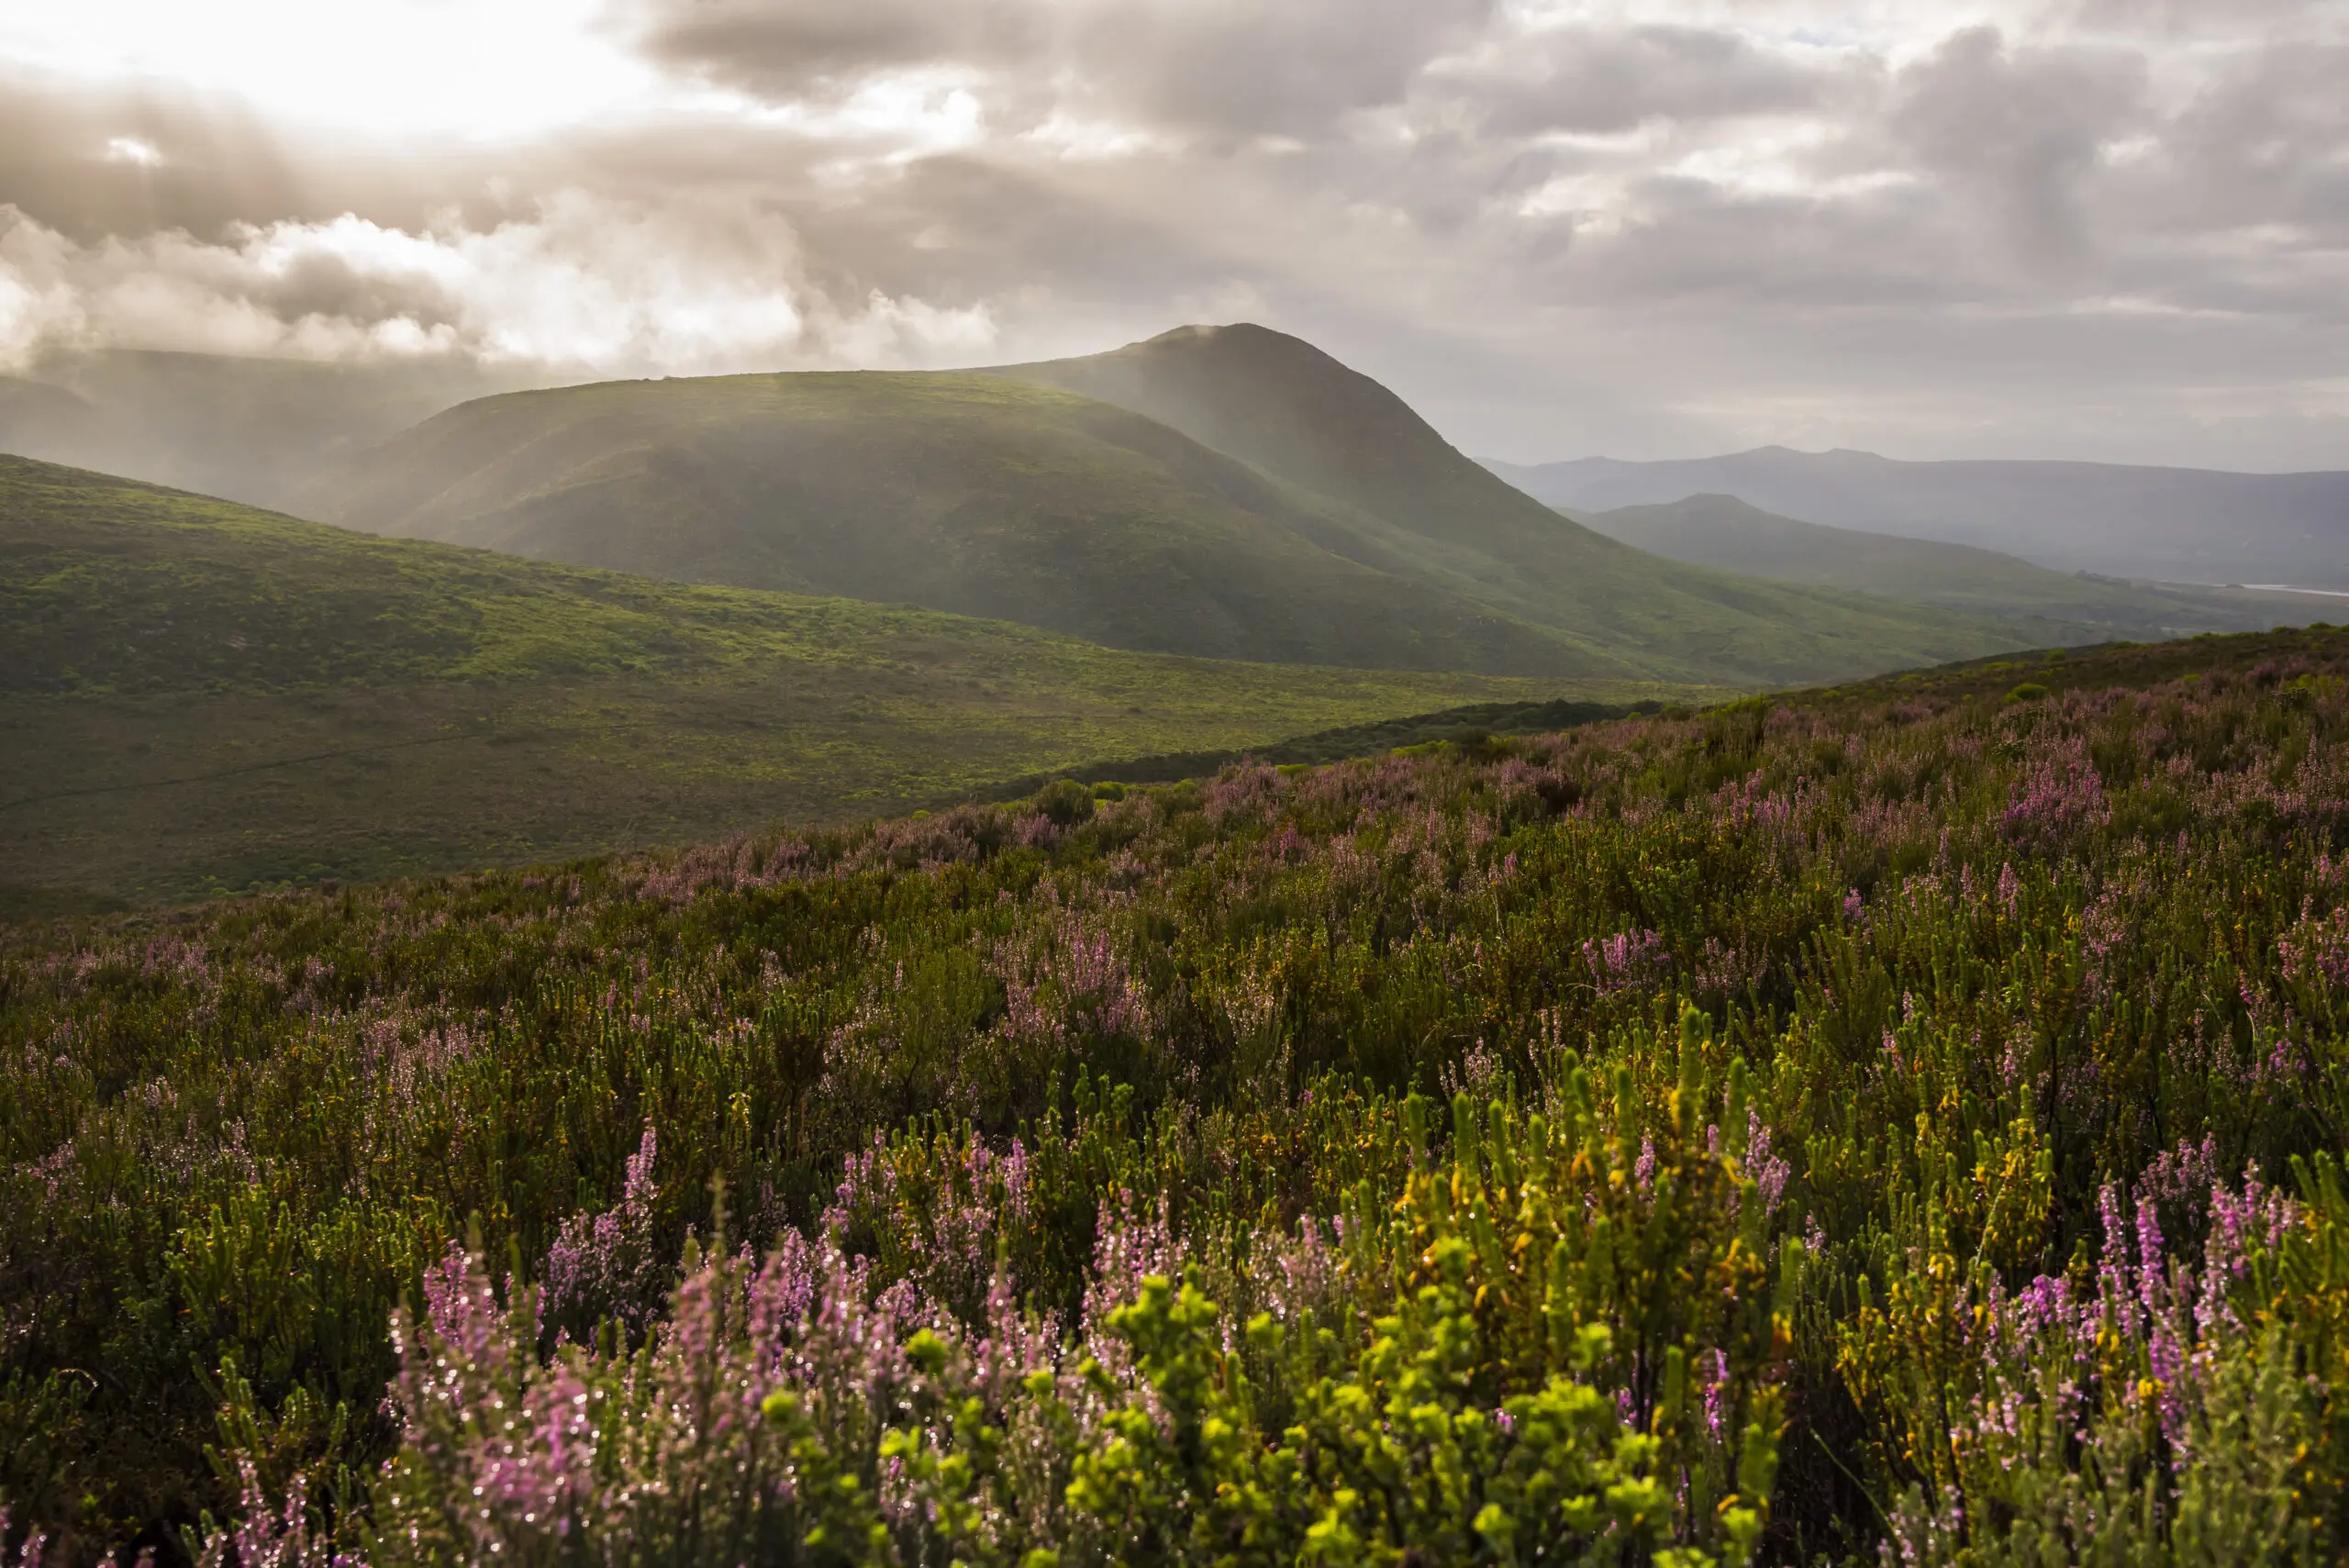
x=1626 y=960
x=605 y=1264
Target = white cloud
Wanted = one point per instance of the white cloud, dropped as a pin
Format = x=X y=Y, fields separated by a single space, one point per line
x=587 y=284
x=1649 y=225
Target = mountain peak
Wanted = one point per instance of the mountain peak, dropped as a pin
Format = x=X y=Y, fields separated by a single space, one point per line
x=1291 y=409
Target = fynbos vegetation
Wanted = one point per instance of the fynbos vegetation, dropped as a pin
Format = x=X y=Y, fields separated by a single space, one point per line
x=1901 y=1123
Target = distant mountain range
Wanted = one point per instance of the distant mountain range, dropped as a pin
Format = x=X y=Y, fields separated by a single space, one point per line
x=719 y=598
x=1225 y=492
x=1723 y=531
x=2180 y=524
x=1228 y=491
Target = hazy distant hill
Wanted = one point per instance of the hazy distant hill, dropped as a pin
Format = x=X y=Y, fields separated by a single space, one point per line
x=1721 y=530
x=2177 y=524
x=1230 y=492
x=196 y=695
x=252 y=429
x=1293 y=411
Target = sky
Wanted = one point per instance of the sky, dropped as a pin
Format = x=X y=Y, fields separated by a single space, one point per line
x=2113 y=229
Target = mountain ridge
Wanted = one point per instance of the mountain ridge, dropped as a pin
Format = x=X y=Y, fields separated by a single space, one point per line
x=1725 y=531
x=1332 y=525
x=2183 y=525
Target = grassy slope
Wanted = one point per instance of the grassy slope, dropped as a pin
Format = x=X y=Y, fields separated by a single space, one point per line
x=997 y=494
x=1282 y=406
x=958 y=493
x=194 y=696
x=1726 y=532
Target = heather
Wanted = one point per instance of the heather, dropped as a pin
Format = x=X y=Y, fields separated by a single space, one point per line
x=1899 y=1123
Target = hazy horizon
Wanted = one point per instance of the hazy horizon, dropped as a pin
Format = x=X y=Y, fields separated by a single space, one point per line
x=2019 y=228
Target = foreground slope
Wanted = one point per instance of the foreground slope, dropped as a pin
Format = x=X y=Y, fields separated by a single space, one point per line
x=1750 y=1127
x=1723 y=531
x=2175 y=524
x=1063 y=496
x=954 y=492
x=195 y=694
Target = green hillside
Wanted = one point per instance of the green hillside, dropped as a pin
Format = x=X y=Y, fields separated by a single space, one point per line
x=958 y=493
x=1292 y=411
x=196 y=696
x=1726 y=532
x=1098 y=511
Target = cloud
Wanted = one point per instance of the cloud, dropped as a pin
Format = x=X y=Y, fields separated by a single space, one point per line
x=785 y=52
x=2015 y=133
x=1215 y=68
x=1560 y=225
x=587 y=284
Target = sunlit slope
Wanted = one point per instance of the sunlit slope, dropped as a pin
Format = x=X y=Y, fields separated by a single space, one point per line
x=1293 y=412
x=958 y=493
x=1726 y=532
x=197 y=695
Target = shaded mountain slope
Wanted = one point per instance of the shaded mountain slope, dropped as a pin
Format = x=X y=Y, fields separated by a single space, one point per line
x=196 y=696
x=960 y=492
x=1000 y=494
x=1294 y=412
x=1723 y=531
x=2179 y=524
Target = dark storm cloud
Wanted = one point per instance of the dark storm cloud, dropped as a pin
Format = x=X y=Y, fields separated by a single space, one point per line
x=1658 y=225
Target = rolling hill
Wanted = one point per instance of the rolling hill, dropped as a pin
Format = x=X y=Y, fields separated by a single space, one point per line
x=2175 y=524
x=958 y=493
x=1230 y=492
x=196 y=697
x=1723 y=531
x=1294 y=412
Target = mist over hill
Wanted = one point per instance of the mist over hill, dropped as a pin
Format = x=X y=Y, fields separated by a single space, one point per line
x=1230 y=492
x=250 y=429
x=2175 y=524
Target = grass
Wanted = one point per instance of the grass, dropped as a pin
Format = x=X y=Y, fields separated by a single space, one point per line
x=196 y=697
